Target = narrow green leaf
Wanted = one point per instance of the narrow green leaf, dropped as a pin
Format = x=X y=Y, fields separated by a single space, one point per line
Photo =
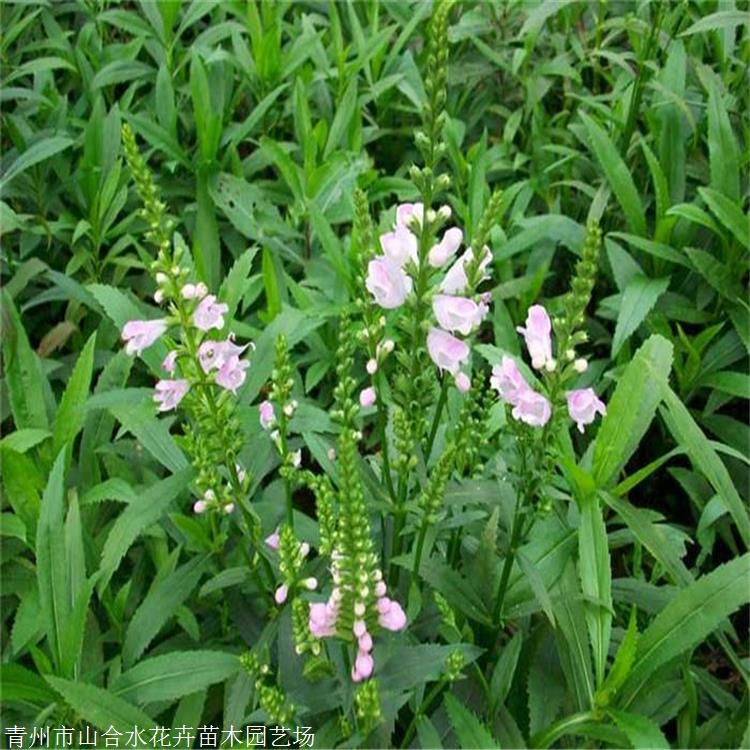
x=631 y=408
x=723 y=19
x=640 y=730
x=140 y=514
x=694 y=614
x=723 y=154
x=99 y=707
x=728 y=213
x=161 y=602
x=70 y=413
x=206 y=243
x=638 y=299
x=596 y=581
x=34 y=154
x=472 y=734
x=51 y=567
x=617 y=173
x=172 y=675
x=345 y=113
x=502 y=675
x=233 y=286
x=685 y=430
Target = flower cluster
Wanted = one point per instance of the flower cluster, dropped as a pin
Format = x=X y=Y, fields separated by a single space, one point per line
x=528 y=405
x=390 y=280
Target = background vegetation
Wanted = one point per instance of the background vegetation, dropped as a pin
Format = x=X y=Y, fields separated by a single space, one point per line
x=259 y=120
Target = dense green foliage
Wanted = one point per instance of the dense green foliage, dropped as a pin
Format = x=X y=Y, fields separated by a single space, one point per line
x=619 y=616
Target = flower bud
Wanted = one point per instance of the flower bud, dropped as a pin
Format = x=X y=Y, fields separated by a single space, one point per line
x=550 y=365
x=161 y=278
x=570 y=355
x=444 y=212
x=229 y=508
x=372 y=366
x=304 y=549
x=158 y=296
x=200 y=506
x=581 y=365
x=331 y=453
x=310 y=583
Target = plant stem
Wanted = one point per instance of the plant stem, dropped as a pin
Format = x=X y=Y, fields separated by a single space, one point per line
x=515 y=538
x=559 y=728
x=436 y=419
x=382 y=420
x=420 y=547
x=436 y=688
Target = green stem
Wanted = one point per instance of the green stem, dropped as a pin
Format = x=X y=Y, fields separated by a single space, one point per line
x=436 y=688
x=436 y=419
x=420 y=547
x=382 y=420
x=515 y=538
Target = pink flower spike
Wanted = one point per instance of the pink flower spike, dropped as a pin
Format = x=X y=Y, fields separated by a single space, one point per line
x=532 y=408
x=140 y=334
x=463 y=383
x=169 y=393
x=210 y=314
x=393 y=617
x=399 y=246
x=446 y=351
x=583 y=406
x=408 y=211
x=267 y=414
x=322 y=620
x=457 y=313
x=232 y=373
x=272 y=540
x=367 y=397
x=169 y=362
x=387 y=282
x=507 y=380
x=445 y=249
x=281 y=594
x=538 y=336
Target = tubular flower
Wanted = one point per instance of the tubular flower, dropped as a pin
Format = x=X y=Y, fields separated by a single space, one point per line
x=213 y=354
x=507 y=380
x=140 y=334
x=169 y=362
x=210 y=314
x=399 y=246
x=231 y=374
x=445 y=249
x=407 y=212
x=583 y=406
x=458 y=313
x=538 y=336
x=169 y=393
x=532 y=408
x=456 y=281
x=387 y=282
x=446 y=351
x=267 y=414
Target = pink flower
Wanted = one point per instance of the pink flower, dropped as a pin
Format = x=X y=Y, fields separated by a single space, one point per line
x=140 y=334
x=322 y=620
x=213 y=354
x=232 y=375
x=507 y=381
x=463 y=383
x=387 y=282
x=363 y=666
x=537 y=334
x=390 y=614
x=583 y=406
x=446 y=351
x=532 y=408
x=194 y=291
x=439 y=254
x=281 y=594
x=367 y=397
x=272 y=540
x=406 y=212
x=209 y=314
x=169 y=362
x=458 y=313
x=455 y=281
x=169 y=393
x=200 y=506
x=267 y=414
x=365 y=642
x=400 y=246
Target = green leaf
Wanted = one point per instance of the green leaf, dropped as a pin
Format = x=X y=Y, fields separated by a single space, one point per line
x=640 y=730
x=631 y=408
x=345 y=114
x=99 y=707
x=723 y=154
x=728 y=213
x=472 y=734
x=70 y=413
x=233 y=286
x=24 y=440
x=21 y=685
x=34 y=154
x=138 y=516
x=288 y=169
x=685 y=430
x=723 y=19
x=623 y=661
x=617 y=173
x=206 y=244
x=51 y=564
x=23 y=372
x=639 y=297
x=172 y=675
x=596 y=581
x=502 y=675
x=161 y=602
x=693 y=615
